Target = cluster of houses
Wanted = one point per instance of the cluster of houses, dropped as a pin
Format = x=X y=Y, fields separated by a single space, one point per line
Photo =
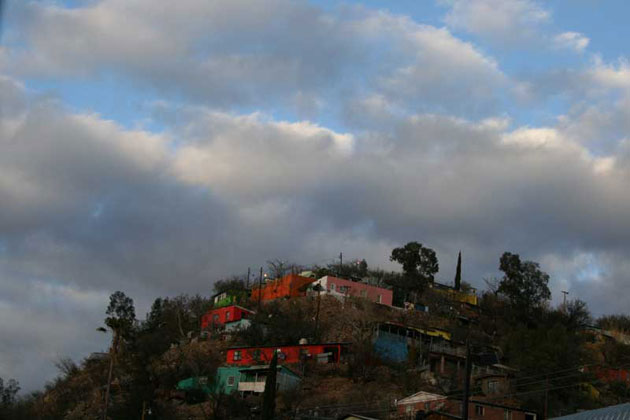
x=434 y=350
x=246 y=368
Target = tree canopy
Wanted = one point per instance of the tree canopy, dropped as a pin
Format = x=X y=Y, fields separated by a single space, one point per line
x=523 y=283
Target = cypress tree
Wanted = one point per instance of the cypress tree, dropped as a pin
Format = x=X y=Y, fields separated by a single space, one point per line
x=269 y=397
x=458 y=272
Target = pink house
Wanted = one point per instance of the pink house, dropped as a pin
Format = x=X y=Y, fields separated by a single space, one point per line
x=341 y=288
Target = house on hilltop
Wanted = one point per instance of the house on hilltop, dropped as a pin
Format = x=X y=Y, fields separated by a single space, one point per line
x=342 y=288
x=289 y=286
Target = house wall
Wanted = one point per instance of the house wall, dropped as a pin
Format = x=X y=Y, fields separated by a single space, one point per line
x=224 y=315
x=410 y=409
x=484 y=412
x=342 y=287
x=392 y=347
x=288 y=354
x=237 y=325
x=222 y=382
x=291 y=285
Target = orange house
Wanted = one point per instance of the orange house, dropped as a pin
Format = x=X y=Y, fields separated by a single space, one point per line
x=291 y=285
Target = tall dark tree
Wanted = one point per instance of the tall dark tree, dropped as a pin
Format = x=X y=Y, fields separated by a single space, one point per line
x=121 y=316
x=269 y=397
x=419 y=265
x=121 y=313
x=458 y=272
x=523 y=284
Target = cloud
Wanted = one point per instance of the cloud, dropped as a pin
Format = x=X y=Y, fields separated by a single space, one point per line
x=572 y=41
x=401 y=135
x=275 y=54
x=90 y=207
x=501 y=21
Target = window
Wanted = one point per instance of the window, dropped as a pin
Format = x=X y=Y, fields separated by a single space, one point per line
x=332 y=286
x=256 y=354
x=379 y=299
x=237 y=355
x=530 y=416
x=479 y=410
x=230 y=381
x=507 y=415
x=363 y=293
x=493 y=387
x=227 y=316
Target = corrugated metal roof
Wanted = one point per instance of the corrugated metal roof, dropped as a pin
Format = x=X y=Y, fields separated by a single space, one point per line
x=614 y=412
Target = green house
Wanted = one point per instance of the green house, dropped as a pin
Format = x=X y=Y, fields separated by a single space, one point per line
x=246 y=380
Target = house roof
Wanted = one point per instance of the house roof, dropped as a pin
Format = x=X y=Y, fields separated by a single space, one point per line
x=356 y=416
x=421 y=396
x=266 y=368
x=614 y=412
x=290 y=345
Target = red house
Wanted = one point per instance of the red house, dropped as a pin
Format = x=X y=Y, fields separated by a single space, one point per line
x=324 y=353
x=221 y=316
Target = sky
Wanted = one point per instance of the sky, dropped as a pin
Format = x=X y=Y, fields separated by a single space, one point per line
x=155 y=147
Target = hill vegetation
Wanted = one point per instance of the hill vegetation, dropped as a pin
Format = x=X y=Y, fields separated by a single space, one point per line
x=556 y=355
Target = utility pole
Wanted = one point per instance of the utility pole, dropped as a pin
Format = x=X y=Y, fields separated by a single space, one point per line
x=467 y=382
x=112 y=355
x=564 y=298
x=546 y=415
x=260 y=289
x=317 y=287
x=340 y=263
x=247 y=283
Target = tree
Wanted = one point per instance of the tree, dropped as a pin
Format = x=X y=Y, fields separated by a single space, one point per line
x=8 y=392
x=458 y=272
x=233 y=285
x=278 y=268
x=269 y=397
x=523 y=284
x=121 y=316
x=419 y=267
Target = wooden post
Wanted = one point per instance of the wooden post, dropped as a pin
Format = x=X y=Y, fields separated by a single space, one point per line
x=467 y=382
x=112 y=355
x=260 y=289
x=144 y=409
x=546 y=415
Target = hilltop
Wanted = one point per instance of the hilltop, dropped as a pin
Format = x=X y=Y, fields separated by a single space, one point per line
x=363 y=341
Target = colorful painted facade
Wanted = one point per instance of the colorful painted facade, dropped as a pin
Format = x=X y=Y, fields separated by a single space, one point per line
x=324 y=353
x=469 y=297
x=393 y=341
x=342 y=288
x=231 y=379
x=219 y=317
x=291 y=285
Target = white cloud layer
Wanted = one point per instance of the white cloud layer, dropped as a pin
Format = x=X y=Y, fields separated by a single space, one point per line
x=402 y=134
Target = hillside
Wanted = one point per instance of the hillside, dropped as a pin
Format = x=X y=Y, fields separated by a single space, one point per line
x=524 y=354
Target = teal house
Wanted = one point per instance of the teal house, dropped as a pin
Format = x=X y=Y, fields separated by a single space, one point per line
x=246 y=380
